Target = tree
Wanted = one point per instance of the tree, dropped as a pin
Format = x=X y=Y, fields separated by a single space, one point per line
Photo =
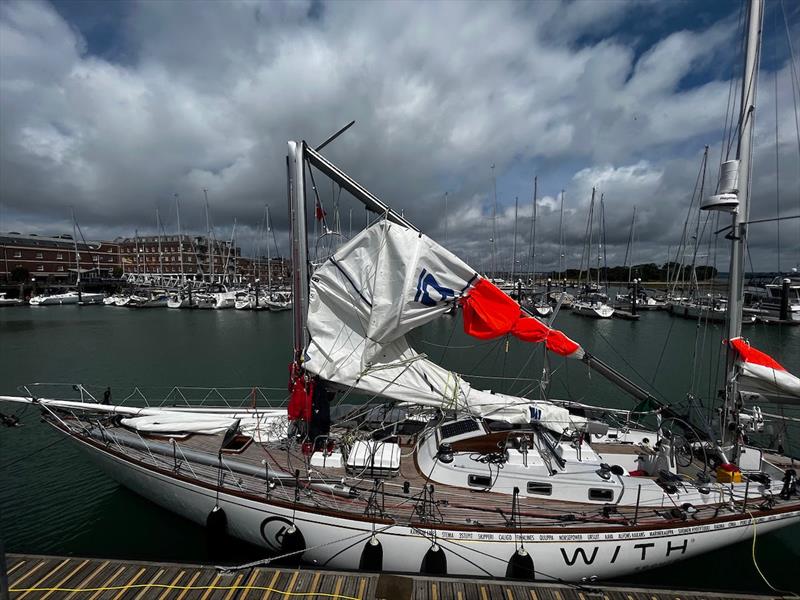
x=19 y=274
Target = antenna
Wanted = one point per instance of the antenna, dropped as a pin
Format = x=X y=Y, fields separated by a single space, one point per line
x=334 y=136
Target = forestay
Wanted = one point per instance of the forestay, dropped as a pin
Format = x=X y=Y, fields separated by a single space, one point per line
x=379 y=286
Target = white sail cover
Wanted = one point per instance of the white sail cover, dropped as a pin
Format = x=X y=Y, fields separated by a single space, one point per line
x=761 y=374
x=385 y=282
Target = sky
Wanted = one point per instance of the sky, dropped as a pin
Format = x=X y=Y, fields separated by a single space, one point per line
x=114 y=108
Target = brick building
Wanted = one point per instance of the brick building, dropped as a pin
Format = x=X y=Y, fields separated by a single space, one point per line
x=53 y=259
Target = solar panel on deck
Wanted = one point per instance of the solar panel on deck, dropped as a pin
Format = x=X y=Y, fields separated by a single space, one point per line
x=458 y=428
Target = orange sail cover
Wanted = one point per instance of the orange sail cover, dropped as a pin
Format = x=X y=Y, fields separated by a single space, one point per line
x=490 y=313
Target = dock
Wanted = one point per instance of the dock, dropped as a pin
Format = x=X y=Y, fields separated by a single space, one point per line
x=59 y=577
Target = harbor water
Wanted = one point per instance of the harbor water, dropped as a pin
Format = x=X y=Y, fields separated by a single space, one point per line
x=54 y=501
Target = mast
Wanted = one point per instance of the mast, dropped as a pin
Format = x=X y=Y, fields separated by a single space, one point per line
x=269 y=259
x=445 y=218
x=601 y=233
x=561 y=256
x=533 y=232
x=494 y=223
x=295 y=172
x=77 y=254
x=160 y=255
x=209 y=241
x=629 y=250
x=740 y=216
x=180 y=238
x=514 y=247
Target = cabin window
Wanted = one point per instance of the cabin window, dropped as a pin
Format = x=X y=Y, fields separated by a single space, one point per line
x=483 y=481
x=541 y=489
x=601 y=494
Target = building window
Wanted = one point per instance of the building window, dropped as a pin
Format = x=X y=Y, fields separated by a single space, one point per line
x=17 y=253
x=61 y=268
x=59 y=256
x=39 y=255
x=40 y=268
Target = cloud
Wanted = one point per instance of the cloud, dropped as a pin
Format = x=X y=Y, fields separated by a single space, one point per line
x=207 y=98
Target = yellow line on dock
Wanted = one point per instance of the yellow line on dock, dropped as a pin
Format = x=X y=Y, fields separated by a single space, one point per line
x=268 y=593
x=91 y=576
x=149 y=583
x=248 y=585
x=510 y=594
x=63 y=581
x=235 y=585
x=107 y=583
x=172 y=585
x=189 y=585
x=362 y=586
x=290 y=587
x=43 y=579
x=129 y=584
x=16 y=566
x=210 y=589
x=434 y=592
x=338 y=587
x=484 y=595
x=314 y=583
x=533 y=595
x=26 y=575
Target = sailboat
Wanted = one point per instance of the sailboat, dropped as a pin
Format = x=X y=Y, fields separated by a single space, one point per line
x=539 y=304
x=78 y=296
x=428 y=473
x=591 y=302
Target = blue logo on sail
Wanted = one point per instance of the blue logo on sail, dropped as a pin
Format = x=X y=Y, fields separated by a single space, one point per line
x=427 y=282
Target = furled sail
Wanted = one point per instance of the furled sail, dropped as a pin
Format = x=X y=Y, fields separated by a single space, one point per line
x=763 y=375
x=389 y=280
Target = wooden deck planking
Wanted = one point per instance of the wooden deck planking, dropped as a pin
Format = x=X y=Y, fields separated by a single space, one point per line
x=110 y=580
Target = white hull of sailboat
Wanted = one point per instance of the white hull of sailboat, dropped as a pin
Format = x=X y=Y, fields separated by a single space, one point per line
x=224 y=300
x=542 y=311
x=597 y=311
x=278 y=306
x=332 y=541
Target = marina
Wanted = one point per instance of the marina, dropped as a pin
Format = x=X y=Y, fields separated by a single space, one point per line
x=368 y=402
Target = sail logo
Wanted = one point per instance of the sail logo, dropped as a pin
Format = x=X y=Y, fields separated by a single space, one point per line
x=536 y=413
x=426 y=283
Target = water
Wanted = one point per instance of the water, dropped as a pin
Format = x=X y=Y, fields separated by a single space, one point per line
x=53 y=500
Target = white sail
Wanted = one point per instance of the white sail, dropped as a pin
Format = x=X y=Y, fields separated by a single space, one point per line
x=382 y=284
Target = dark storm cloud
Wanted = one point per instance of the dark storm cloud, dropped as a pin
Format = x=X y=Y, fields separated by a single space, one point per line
x=114 y=117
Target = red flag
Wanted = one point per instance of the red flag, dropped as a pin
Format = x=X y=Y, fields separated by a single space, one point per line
x=489 y=313
x=320 y=214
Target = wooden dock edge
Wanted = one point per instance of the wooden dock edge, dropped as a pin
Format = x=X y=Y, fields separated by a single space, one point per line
x=59 y=577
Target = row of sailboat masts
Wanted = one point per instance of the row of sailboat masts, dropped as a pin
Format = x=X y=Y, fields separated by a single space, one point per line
x=211 y=242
